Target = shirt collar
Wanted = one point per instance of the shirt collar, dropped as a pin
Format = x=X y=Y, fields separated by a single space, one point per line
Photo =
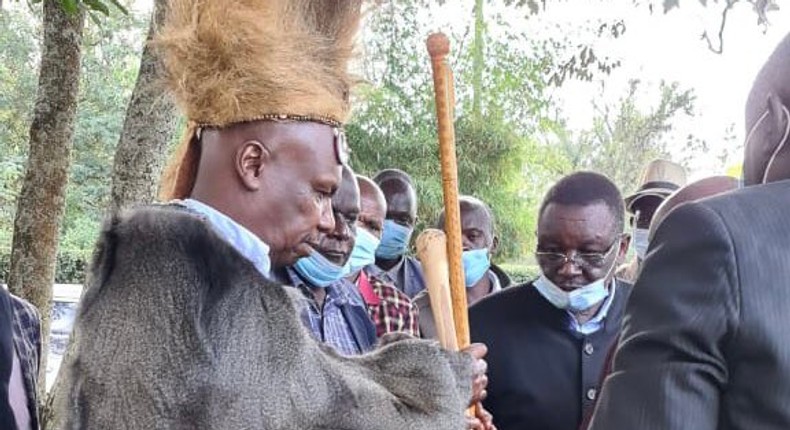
x=244 y=241
x=596 y=322
x=495 y=284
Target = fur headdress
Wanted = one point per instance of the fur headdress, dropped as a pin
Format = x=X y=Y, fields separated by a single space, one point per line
x=232 y=61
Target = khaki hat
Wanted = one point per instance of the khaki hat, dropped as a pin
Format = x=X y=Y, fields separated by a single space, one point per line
x=660 y=179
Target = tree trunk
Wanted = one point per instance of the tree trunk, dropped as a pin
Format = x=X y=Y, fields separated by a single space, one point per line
x=42 y=198
x=151 y=119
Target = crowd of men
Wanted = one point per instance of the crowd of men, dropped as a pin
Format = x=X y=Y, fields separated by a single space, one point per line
x=274 y=287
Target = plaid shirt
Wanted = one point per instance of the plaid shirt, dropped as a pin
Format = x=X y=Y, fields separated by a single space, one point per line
x=390 y=309
x=27 y=342
x=327 y=323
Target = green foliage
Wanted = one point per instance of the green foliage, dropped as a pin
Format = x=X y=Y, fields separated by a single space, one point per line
x=394 y=125
x=110 y=61
x=624 y=138
x=520 y=273
x=71 y=265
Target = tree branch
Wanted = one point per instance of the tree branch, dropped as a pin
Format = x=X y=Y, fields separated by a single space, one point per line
x=706 y=38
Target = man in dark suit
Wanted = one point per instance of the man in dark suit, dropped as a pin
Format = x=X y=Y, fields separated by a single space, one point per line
x=704 y=343
x=548 y=340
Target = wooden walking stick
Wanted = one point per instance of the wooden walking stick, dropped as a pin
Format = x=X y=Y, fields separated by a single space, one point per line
x=436 y=267
x=432 y=251
x=438 y=48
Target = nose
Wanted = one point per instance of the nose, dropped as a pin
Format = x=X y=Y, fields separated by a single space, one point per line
x=342 y=230
x=466 y=243
x=326 y=222
x=569 y=267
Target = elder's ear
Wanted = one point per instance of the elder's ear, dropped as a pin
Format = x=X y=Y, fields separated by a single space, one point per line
x=251 y=158
x=777 y=163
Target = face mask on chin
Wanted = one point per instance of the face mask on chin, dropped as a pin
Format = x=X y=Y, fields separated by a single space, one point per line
x=318 y=271
x=578 y=300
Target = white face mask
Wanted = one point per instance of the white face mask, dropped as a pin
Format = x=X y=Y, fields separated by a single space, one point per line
x=639 y=242
x=579 y=299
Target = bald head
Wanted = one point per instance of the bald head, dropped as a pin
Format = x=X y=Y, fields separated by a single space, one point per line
x=768 y=120
x=274 y=178
x=701 y=189
x=373 y=206
x=477 y=223
x=400 y=194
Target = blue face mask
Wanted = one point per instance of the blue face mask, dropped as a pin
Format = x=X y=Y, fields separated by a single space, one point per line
x=364 y=253
x=476 y=265
x=318 y=271
x=394 y=241
x=577 y=300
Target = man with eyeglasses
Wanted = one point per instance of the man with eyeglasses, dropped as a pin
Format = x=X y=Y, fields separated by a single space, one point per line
x=705 y=346
x=548 y=339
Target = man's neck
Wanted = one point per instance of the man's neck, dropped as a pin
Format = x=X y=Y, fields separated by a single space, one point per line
x=387 y=265
x=481 y=289
x=586 y=315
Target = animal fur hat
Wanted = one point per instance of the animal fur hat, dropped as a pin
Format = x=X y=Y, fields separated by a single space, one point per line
x=232 y=61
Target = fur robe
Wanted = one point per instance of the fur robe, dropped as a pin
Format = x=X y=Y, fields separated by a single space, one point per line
x=178 y=331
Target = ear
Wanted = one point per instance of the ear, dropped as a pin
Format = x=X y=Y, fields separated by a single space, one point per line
x=778 y=154
x=776 y=114
x=251 y=158
x=625 y=243
x=494 y=245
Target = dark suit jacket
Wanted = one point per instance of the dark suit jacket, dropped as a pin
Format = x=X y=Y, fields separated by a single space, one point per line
x=705 y=341
x=543 y=375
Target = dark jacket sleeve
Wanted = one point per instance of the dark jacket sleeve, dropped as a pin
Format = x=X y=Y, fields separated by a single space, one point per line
x=670 y=366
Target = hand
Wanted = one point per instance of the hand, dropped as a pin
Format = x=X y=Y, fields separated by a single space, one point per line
x=483 y=420
x=479 y=378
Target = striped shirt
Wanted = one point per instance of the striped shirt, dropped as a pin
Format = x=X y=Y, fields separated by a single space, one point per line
x=327 y=323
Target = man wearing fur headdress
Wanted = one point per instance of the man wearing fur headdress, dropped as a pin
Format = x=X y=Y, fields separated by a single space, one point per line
x=180 y=326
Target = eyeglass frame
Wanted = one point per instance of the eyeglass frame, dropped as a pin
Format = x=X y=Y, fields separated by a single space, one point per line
x=574 y=258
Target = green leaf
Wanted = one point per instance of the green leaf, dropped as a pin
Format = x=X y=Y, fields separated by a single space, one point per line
x=70 y=6
x=120 y=7
x=98 y=6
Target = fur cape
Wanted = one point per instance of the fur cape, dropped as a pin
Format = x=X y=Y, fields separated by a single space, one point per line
x=178 y=331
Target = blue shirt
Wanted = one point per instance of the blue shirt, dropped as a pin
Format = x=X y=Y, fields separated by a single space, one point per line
x=244 y=241
x=328 y=323
x=406 y=275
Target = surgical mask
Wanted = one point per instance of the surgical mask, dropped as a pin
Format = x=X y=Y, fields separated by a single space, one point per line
x=318 y=271
x=577 y=300
x=394 y=240
x=364 y=253
x=476 y=265
x=639 y=242
x=778 y=147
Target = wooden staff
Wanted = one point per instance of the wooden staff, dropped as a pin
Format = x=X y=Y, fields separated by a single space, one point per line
x=438 y=48
x=432 y=251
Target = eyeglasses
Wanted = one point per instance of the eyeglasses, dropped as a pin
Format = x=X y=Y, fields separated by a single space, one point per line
x=584 y=260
